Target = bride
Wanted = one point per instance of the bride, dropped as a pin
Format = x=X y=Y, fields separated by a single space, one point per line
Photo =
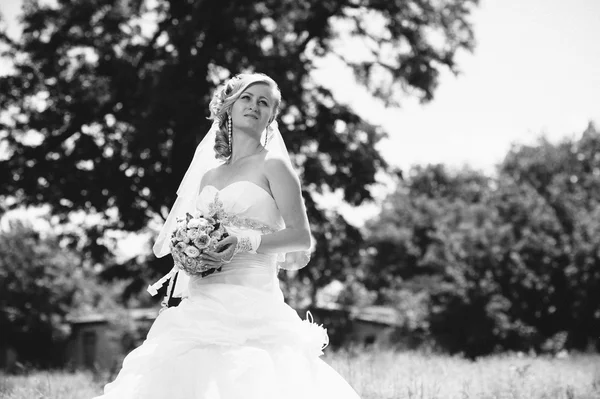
x=233 y=336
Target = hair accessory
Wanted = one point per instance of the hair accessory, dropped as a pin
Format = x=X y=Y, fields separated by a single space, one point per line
x=204 y=160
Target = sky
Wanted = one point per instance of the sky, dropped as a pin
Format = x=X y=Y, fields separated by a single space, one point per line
x=535 y=70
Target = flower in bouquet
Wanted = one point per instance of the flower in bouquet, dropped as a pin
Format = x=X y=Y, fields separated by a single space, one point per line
x=217 y=234
x=191 y=251
x=194 y=223
x=181 y=235
x=181 y=223
x=193 y=235
x=202 y=241
x=211 y=221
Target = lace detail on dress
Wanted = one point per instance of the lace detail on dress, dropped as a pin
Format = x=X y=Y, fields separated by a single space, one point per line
x=216 y=208
x=244 y=245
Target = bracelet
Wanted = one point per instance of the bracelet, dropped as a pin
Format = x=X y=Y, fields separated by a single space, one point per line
x=247 y=243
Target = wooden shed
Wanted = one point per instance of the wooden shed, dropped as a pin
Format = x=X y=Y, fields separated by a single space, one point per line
x=100 y=342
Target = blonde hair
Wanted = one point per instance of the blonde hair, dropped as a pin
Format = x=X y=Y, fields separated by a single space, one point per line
x=223 y=100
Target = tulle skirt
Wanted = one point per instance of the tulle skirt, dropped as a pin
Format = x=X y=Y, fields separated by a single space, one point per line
x=230 y=342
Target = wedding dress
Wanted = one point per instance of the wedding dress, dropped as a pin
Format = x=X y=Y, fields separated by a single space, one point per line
x=233 y=336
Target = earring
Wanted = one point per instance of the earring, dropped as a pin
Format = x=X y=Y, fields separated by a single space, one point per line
x=267 y=134
x=230 y=129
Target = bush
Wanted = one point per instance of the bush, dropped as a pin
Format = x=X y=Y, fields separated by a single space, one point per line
x=42 y=282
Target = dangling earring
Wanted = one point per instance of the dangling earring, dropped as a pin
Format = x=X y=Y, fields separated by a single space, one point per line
x=230 y=129
x=267 y=134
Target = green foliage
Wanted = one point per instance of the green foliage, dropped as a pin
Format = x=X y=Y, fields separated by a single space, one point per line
x=38 y=291
x=109 y=97
x=509 y=263
x=407 y=242
x=42 y=282
x=559 y=245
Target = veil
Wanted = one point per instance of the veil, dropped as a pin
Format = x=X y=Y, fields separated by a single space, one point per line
x=203 y=161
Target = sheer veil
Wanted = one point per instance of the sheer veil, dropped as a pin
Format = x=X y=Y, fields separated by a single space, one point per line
x=203 y=161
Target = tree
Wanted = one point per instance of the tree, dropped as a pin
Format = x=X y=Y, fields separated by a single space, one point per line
x=410 y=245
x=404 y=240
x=108 y=97
x=509 y=263
x=42 y=284
x=560 y=249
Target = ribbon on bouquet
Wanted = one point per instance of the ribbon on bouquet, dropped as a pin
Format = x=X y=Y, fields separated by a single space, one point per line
x=153 y=288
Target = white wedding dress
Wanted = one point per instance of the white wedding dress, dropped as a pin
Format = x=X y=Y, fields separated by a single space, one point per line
x=233 y=337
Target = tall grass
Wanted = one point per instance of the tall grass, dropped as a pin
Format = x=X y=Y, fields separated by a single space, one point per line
x=49 y=385
x=390 y=375
x=387 y=375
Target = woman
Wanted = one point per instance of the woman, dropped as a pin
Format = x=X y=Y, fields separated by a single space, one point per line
x=233 y=336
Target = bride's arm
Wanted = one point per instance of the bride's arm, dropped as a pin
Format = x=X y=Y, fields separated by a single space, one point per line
x=285 y=187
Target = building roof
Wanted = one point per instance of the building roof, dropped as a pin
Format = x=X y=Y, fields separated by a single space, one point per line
x=135 y=314
x=374 y=314
x=377 y=314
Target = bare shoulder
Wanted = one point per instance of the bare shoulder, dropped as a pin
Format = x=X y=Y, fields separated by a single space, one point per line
x=278 y=168
x=287 y=192
x=208 y=177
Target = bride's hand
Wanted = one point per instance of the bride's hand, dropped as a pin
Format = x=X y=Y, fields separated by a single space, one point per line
x=222 y=254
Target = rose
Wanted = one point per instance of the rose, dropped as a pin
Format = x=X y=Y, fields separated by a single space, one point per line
x=194 y=223
x=181 y=223
x=180 y=235
x=217 y=234
x=180 y=246
x=189 y=261
x=186 y=236
x=191 y=251
x=202 y=241
x=176 y=257
x=193 y=234
x=206 y=225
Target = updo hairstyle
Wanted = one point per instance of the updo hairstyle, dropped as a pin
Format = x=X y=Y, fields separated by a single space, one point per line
x=223 y=99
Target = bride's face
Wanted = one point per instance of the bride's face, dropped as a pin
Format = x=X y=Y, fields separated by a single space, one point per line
x=254 y=108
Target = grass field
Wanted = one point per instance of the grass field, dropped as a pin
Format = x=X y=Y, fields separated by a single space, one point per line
x=389 y=375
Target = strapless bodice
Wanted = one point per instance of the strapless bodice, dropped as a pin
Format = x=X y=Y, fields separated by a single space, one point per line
x=244 y=206
x=243 y=199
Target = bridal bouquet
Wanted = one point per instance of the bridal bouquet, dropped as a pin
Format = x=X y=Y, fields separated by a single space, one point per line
x=194 y=235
